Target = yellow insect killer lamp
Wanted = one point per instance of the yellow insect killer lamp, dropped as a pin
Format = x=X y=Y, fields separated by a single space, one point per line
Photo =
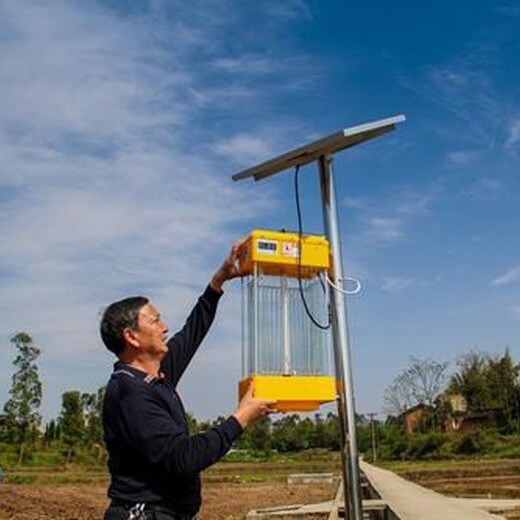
x=285 y=347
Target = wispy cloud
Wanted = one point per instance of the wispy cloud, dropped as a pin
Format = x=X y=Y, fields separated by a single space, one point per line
x=474 y=112
x=290 y=9
x=247 y=64
x=244 y=148
x=397 y=285
x=510 y=276
x=389 y=218
x=513 y=137
x=467 y=89
x=383 y=229
x=111 y=179
x=462 y=157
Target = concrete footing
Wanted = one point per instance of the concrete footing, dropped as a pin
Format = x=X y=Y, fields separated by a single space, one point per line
x=310 y=478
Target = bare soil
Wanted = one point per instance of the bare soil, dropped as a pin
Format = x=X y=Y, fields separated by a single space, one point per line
x=472 y=479
x=482 y=479
x=88 y=502
x=228 y=498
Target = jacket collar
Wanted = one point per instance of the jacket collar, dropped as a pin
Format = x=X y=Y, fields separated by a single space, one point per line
x=122 y=368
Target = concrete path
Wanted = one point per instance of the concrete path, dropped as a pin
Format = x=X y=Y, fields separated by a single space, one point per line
x=410 y=501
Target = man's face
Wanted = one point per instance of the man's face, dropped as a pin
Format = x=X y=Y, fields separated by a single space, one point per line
x=151 y=332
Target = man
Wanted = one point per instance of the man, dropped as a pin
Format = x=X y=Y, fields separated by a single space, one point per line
x=153 y=461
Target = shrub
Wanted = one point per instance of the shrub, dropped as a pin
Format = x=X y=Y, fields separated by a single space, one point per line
x=426 y=446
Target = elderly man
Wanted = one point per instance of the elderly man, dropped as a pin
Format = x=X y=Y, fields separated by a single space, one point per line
x=154 y=463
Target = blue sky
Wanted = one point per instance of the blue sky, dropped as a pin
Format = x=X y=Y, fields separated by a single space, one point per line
x=123 y=122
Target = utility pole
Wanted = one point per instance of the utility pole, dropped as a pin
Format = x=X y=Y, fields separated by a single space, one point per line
x=373 y=429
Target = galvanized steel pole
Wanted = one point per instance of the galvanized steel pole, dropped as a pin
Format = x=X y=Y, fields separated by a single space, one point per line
x=342 y=358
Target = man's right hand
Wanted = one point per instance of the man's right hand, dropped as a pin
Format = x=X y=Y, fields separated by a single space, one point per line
x=229 y=269
x=251 y=410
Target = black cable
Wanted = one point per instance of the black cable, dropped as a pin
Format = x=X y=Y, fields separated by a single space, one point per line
x=300 y=234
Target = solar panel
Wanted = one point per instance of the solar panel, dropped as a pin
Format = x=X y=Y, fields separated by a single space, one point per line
x=333 y=143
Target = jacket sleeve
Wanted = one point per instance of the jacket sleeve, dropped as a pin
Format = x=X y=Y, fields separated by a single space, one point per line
x=164 y=442
x=183 y=345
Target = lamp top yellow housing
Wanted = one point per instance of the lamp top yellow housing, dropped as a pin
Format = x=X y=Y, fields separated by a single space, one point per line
x=279 y=253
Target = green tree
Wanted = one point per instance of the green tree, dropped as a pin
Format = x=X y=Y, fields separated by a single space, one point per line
x=22 y=409
x=71 y=422
x=290 y=433
x=305 y=433
x=257 y=436
x=318 y=436
x=471 y=380
x=503 y=387
x=193 y=425
x=332 y=432
x=92 y=413
x=51 y=433
x=489 y=383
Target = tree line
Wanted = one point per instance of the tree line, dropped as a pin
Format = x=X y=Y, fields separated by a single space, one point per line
x=483 y=382
x=475 y=410
x=79 y=424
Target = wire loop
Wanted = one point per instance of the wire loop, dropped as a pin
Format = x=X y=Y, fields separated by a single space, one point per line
x=342 y=290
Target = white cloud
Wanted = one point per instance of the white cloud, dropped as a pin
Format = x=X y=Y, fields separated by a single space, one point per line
x=510 y=276
x=412 y=203
x=396 y=285
x=513 y=137
x=356 y=203
x=462 y=157
x=251 y=64
x=244 y=149
x=290 y=9
x=82 y=77
x=109 y=183
x=384 y=229
x=389 y=218
x=465 y=89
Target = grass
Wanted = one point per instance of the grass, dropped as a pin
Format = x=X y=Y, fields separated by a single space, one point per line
x=48 y=468
x=276 y=468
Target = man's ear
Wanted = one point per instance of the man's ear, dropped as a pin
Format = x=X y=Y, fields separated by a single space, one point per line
x=130 y=337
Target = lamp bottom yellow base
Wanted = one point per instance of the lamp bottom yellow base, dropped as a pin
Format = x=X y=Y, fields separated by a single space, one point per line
x=292 y=393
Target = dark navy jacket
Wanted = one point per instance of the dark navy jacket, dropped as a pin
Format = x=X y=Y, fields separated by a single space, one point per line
x=151 y=456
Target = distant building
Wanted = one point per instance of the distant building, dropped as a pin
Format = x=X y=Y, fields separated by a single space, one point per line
x=412 y=417
x=452 y=413
x=458 y=403
x=471 y=421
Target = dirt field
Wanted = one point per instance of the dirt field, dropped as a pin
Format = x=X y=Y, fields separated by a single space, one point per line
x=485 y=478
x=87 y=502
x=227 y=499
